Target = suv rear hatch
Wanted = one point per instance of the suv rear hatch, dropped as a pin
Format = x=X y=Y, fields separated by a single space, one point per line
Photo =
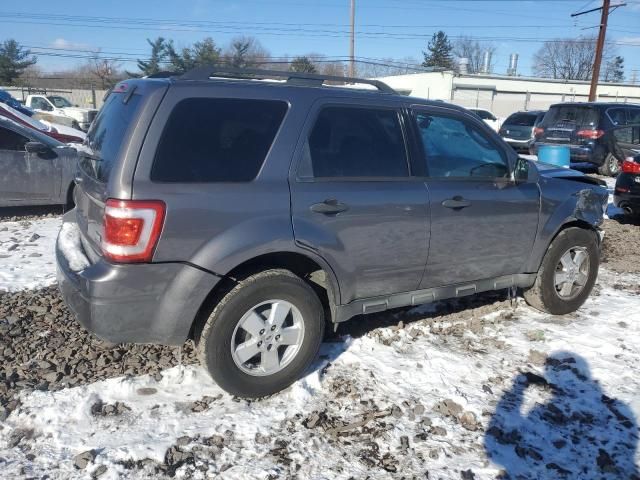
x=519 y=126
x=106 y=160
x=562 y=123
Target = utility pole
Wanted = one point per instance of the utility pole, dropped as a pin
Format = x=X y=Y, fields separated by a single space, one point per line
x=352 y=43
x=595 y=73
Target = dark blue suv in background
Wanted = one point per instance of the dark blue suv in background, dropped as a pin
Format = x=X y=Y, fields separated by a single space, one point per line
x=584 y=127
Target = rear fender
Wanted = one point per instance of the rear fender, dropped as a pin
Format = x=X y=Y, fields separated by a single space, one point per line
x=251 y=239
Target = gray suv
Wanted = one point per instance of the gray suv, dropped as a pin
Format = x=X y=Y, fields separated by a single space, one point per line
x=248 y=214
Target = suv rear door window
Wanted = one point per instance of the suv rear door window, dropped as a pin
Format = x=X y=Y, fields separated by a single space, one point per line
x=456 y=149
x=618 y=116
x=356 y=142
x=217 y=140
x=107 y=134
x=10 y=140
x=634 y=116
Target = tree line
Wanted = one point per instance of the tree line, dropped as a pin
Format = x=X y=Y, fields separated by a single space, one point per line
x=567 y=59
x=564 y=58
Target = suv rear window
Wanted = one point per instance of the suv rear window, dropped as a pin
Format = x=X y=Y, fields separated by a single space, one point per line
x=571 y=115
x=106 y=135
x=356 y=142
x=217 y=140
x=521 y=119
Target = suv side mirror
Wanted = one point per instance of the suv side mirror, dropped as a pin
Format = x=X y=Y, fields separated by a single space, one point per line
x=40 y=149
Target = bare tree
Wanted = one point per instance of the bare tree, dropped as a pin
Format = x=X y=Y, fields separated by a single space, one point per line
x=105 y=69
x=569 y=58
x=385 y=67
x=246 y=52
x=473 y=50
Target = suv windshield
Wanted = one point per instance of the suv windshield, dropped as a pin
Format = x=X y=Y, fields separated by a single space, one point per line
x=60 y=102
x=571 y=115
x=522 y=119
x=106 y=135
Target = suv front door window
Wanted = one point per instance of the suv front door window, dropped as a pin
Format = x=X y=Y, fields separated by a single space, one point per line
x=354 y=202
x=25 y=176
x=482 y=222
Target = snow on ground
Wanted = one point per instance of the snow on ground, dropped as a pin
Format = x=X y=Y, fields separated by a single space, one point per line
x=27 y=253
x=485 y=389
x=564 y=389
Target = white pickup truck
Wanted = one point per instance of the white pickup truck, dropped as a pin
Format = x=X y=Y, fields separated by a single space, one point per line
x=57 y=105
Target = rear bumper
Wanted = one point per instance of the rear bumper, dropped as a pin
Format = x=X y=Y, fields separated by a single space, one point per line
x=136 y=303
x=627 y=192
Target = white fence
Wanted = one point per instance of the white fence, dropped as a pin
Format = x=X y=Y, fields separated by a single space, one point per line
x=88 y=98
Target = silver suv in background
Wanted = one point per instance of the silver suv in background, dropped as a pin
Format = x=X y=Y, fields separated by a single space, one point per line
x=247 y=214
x=518 y=130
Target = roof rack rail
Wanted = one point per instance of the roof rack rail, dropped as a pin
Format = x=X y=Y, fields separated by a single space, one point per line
x=163 y=74
x=204 y=73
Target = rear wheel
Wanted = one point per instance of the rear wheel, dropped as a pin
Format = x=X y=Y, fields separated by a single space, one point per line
x=610 y=167
x=263 y=334
x=567 y=274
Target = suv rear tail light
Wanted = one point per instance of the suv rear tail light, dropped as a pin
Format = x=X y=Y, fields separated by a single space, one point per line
x=629 y=166
x=538 y=131
x=132 y=229
x=590 y=134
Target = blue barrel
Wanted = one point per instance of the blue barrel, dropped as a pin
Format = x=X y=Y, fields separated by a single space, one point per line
x=559 y=155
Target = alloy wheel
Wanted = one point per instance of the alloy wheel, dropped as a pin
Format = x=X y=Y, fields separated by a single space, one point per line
x=267 y=338
x=572 y=273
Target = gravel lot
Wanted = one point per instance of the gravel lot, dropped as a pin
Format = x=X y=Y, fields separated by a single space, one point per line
x=375 y=424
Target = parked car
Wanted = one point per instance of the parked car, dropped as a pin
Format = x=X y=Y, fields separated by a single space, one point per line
x=35 y=168
x=583 y=126
x=626 y=148
x=488 y=117
x=59 y=132
x=61 y=106
x=517 y=129
x=7 y=99
x=246 y=214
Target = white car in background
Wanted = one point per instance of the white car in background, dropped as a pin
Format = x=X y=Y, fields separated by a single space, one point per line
x=61 y=133
x=488 y=117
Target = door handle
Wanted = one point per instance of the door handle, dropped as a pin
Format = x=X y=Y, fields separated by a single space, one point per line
x=330 y=206
x=456 y=202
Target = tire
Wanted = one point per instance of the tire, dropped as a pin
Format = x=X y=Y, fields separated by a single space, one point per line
x=610 y=167
x=246 y=302
x=544 y=295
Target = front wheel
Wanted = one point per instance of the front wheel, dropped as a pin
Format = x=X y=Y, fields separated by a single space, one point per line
x=263 y=334
x=567 y=274
x=610 y=167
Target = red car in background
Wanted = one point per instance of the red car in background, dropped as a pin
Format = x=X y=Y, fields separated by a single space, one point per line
x=59 y=132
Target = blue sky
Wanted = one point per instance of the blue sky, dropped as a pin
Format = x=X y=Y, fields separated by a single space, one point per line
x=390 y=28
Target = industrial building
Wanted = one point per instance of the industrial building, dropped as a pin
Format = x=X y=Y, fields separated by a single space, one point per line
x=505 y=94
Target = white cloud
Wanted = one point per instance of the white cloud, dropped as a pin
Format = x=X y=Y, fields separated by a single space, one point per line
x=69 y=45
x=635 y=41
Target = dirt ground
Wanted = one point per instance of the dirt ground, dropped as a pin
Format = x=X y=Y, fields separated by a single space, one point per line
x=621 y=243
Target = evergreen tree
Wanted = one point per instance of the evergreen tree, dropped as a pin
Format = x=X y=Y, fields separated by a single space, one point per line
x=614 y=71
x=158 y=56
x=239 y=54
x=439 y=52
x=13 y=61
x=201 y=53
x=302 y=65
